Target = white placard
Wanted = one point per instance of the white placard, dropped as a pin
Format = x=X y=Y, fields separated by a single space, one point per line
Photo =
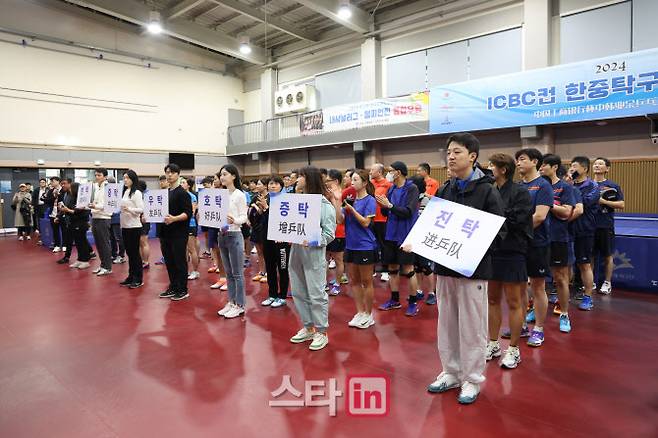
x=213 y=207
x=84 y=195
x=454 y=235
x=113 y=195
x=294 y=218
x=156 y=205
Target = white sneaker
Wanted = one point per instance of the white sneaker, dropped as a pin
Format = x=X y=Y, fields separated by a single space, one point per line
x=234 y=312
x=84 y=265
x=493 y=350
x=194 y=275
x=511 y=359
x=254 y=250
x=268 y=301
x=366 y=321
x=385 y=276
x=57 y=249
x=226 y=309
x=279 y=302
x=64 y=248
x=20 y=238
x=118 y=260
x=224 y=287
x=302 y=335
x=443 y=383
x=606 y=288
x=356 y=319
x=28 y=238
x=469 y=393
x=320 y=340
x=75 y=264
x=332 y=264
x=97 y=270
x=103 y=272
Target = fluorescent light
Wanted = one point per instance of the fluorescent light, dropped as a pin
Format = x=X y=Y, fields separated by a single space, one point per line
x=344 y=12
x=154 y=26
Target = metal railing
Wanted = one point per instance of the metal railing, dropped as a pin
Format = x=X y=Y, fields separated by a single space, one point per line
x=245 y=133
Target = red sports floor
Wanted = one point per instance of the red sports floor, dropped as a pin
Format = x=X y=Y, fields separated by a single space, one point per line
x=82 y=357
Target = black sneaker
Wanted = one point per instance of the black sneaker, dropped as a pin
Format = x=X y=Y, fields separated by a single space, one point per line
x=136 y=285
x=126 y=282
x=92 y=256
x=62 y=261
x=180 y=296
x=167 y=294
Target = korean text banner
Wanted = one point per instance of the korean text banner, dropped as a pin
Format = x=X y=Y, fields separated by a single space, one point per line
x=294 y=218
x=412 y=108
x=213 y=207
x=156 y=205
x=84 y=195
x=454 y=235
x=113 y=196
x=617 y=86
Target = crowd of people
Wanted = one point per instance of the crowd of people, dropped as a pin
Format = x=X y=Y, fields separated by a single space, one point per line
x=557 y=221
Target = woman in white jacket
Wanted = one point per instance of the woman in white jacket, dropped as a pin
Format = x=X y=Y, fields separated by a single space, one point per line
x=132 y=207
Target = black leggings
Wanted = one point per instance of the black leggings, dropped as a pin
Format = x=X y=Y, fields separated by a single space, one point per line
x=131 y=238
x=80 y=237
x=276 y=264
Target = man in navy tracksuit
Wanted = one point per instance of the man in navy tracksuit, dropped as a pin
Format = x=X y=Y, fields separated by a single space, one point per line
x=584 y=227
x=400 y=206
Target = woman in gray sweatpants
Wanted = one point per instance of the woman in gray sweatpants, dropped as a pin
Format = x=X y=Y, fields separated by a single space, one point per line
x=307 y=267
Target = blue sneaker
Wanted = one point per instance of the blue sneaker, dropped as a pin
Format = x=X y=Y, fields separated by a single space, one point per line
x=431 y=299
x=536 y=339
x=565 y=324
x=507 y=334
x=552 y=298
x=334 y=289
x=530 y=316
x=390 y=305
x=586 y=303
x=420 y=296
x=412 y=309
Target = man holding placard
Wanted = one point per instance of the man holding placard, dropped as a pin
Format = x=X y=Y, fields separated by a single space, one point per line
x=173 y=235
x=100 y=223
x=462 y=290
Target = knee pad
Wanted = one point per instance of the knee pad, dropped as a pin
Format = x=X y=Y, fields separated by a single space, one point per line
x=392 y=272
x=408 y=274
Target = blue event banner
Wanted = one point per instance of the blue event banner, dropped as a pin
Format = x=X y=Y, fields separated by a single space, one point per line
x=624 y=85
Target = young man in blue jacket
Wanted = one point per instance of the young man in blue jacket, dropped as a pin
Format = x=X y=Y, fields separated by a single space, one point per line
x=584 y=227
x=400 y=206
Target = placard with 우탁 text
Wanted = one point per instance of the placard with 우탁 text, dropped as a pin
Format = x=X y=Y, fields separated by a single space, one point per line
x=156 y=205
x=213 y=207
x=294 y=218
x=454 y=235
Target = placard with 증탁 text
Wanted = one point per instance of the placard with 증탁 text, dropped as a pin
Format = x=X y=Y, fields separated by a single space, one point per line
x=156 y=205
x=454 y=235
x=84 y=195
x=294 y=218
x=113 y=196
x=213 y=205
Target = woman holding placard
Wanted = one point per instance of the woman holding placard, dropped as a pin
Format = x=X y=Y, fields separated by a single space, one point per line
x=78 y=228
x=360 y=246
x=231 y=242
x=132 y=207
x=308 y=268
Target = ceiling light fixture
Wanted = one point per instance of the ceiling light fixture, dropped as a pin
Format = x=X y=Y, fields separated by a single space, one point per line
x=344 y=11
x=245 y=48
x=155 y=25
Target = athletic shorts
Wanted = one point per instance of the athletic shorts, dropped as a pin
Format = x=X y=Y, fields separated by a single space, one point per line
x=368 y=257
x=559 y=254
x=604 y=242
x=583 y=246
x=509 y=268
x=146 y=229
x=393 y=255
x=336 y=245
x=537 y=261
x=192 y=231
x=212 y=237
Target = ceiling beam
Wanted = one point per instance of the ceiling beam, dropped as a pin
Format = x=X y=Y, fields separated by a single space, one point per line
x=138 y=13
x=180 y=9
x=275 y=22
x=358 y=22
